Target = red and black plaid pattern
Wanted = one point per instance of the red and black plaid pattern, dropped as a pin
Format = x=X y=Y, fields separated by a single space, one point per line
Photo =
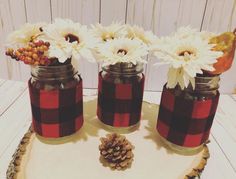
x=57 y=113
x=119 y=105
x=185 y=122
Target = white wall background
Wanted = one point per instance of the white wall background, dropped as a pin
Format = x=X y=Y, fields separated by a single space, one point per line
x=160 y=16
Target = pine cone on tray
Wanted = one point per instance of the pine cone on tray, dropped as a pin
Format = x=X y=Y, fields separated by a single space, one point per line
x=116 y=151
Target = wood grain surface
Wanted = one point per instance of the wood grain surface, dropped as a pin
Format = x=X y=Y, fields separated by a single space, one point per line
x=161 y=16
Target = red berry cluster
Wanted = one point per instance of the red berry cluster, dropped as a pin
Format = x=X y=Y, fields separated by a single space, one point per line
x=32 y=54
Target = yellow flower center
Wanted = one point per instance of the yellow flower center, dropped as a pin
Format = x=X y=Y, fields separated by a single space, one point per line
x=186 y=54
x=106 y=37
x=71 y=38
x=122 y=52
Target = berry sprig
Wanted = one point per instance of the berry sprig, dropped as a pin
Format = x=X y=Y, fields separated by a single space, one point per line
x=33 y=54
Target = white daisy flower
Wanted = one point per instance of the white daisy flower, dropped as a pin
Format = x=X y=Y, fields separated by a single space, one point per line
x=122 y=50
x=105 y=33
x=185 y=32
x=69 y=40
x=187 y=57
x=135 y=32
x=25 y=34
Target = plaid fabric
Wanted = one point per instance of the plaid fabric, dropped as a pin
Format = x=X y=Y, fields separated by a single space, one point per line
x=56 y=113
x=185 y=122
x=119 y=105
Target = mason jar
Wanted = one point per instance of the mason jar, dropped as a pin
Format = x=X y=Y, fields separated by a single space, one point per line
x=185 y=116
x=120 y=95
x=56 y=100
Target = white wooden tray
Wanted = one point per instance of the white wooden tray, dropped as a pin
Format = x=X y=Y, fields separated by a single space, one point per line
x=77 y=156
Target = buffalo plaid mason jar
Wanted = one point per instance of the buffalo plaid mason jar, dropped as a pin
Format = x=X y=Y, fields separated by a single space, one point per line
x=56 y=100
x=120 y=95
x=185 y=116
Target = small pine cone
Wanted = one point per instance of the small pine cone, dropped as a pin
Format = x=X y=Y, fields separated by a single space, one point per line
x=116 y=151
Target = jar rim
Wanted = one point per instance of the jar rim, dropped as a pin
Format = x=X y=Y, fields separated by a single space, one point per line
x=207 y=77
x=128 y=68
x=50 y=66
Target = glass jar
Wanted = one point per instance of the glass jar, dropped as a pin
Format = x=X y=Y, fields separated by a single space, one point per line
x=120 y=95
x=56 y=100
x=185 y=116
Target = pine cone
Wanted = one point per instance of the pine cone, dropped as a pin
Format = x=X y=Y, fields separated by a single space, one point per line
x=116 y=151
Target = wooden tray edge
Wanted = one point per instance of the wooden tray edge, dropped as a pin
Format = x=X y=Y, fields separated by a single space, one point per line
x=14 y=165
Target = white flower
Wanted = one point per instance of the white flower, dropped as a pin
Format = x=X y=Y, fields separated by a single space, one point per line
x=185 y=32
x=25 y=34
x=122 y=50
x=135 y=32
x=187 y=57
x=105 y=33
x=69 y=40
